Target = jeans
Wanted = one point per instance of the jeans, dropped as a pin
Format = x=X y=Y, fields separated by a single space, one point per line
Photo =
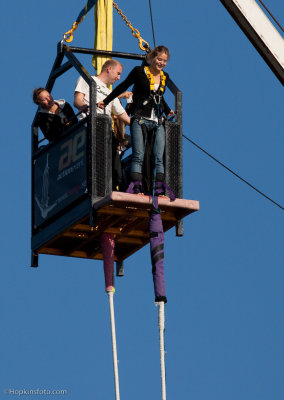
x=138 y=145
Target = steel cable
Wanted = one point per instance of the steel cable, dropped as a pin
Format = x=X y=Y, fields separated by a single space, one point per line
x=150 y=7
x=234 y=173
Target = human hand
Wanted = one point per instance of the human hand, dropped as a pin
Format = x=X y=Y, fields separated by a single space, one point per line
x=125 y=95
x=122 y=145
x=85 y=108
x=101 y=105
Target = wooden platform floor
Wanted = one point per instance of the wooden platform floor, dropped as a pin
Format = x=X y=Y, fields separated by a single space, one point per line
x=124 y=215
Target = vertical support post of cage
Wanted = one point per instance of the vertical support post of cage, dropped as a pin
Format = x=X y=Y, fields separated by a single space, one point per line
x=92 y=131
x=119 y=268
x=102 y=160
x=34 y=259
x=178 y=107
x=34 y=137
x=92 y=144
x=34 y=147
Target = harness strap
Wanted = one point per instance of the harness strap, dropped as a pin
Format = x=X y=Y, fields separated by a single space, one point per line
x=155 y=205
x=159 y=299
x=160 y=188
x=157 y=248
x=134 y=187
x=154 y=234
x=157 y=258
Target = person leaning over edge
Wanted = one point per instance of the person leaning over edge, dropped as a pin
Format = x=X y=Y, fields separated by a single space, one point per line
x=147 y=111
x=54 y=116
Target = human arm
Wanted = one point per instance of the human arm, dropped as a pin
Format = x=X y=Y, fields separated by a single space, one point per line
x=79 y=102
x=168 y=112
x=122 y=87
x=124 y=117
x=166 y=109
x=125 y=95
x=70 y=117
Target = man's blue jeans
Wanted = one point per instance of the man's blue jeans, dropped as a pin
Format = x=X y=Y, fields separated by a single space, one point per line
x=138 y=145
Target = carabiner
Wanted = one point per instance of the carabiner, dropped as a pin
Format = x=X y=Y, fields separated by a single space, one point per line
x=144 y=47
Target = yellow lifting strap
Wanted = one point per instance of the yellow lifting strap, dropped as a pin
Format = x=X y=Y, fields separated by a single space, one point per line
x=104 y=32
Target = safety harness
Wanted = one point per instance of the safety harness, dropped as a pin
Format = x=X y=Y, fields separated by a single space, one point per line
x=155 y=95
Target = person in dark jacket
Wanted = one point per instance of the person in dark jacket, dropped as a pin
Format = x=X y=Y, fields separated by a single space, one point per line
x=147 y=109
x=54 y=116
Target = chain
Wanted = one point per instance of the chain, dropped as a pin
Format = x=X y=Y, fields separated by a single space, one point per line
x=142 y=43
x=68 y=36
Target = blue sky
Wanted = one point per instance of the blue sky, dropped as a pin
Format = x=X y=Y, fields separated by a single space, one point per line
x=224 y=278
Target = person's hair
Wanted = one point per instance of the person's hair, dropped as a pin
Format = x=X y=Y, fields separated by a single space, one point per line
x=36 y=94
x=110 y=63
x=156 y=51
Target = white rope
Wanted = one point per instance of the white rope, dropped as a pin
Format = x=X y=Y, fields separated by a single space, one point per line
x=161 y=305
x=114 y=350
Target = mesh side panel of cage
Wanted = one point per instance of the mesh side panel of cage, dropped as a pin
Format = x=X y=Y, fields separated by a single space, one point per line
x=102 y=157
x=173 y=157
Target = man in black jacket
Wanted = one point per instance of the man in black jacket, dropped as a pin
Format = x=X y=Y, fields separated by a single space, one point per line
x=54 y=116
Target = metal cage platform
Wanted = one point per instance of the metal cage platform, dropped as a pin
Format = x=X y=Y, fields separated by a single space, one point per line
x=72 y=198
x=124 y=215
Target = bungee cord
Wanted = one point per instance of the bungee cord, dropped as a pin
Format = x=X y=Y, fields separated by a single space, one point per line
x=114 y=348
x=161 y=305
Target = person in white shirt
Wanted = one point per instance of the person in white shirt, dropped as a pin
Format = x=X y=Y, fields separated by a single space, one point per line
x=111 y=71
